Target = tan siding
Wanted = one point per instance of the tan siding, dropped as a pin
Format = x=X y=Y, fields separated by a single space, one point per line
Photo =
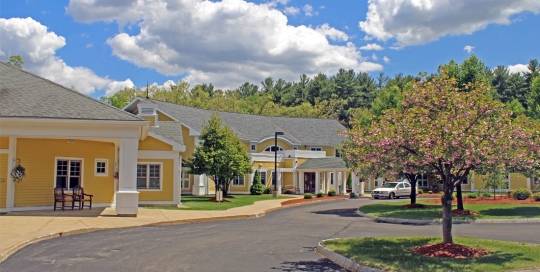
x=38 y=157
x=518 y=181
x=3 y=175
x=151 y=143
x=4 y=142
x=166 y=194
x=189 y=142
x=151 y=119
x=163 y=117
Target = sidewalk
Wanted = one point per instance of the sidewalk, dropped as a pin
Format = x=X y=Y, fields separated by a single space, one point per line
x=18 y=229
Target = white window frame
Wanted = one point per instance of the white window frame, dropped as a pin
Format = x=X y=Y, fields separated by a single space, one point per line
x=336 y=153
x=315 y=148
x=466 y=181
x=67 y=182
x=238 y=178
x=535 y=181
x=182 y=179
x=422 y=181
x=148 y=173
x=295 y=147
x=106 y=174
x=270 y=147
x=265 y=184
x=253 y=147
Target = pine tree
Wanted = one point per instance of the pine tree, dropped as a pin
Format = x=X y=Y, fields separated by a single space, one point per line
x=257 y=187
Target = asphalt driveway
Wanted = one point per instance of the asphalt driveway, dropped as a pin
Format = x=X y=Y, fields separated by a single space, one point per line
x=283 y=240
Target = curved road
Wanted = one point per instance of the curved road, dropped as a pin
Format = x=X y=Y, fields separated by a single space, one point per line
x=283 y=240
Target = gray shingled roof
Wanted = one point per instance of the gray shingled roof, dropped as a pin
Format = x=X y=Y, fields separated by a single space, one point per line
x=323 y=163
x=25 y=95
x=170 y=130
x=249 y=127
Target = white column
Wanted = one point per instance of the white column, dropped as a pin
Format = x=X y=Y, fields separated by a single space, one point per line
x=327 y=182
x=369 y=183
x=198 y=185
x=295 y=178
x=362 y=186
x=354 y=183
x=528 y=183
x=177 y=174
x=279 y=180
x=301 y=181
x=250 y=177
x=343 y=183
x=12 y=160
x=127 y=197
x=336 y=181
x=317 y=182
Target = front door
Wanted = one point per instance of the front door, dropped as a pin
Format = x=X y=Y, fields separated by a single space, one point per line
x=309 y=183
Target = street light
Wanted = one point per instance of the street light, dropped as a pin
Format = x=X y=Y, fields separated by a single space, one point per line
x=276 y=193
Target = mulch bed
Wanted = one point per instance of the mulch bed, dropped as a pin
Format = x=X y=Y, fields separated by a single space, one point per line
x=413 y=206
x=443 y=250
x=429 y=195
x=228 y=196
x=490 y=200
x=214 y=200
x=300 y=200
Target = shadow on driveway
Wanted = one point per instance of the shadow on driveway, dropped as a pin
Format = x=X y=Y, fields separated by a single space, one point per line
x=321 y=265
x=339 y=212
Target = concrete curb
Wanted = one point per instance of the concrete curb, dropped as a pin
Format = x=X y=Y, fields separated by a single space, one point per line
x=393 y=220
x=342 y=260
x=10 y=251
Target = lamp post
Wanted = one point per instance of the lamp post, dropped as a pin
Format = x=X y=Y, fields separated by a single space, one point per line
x=276 y=193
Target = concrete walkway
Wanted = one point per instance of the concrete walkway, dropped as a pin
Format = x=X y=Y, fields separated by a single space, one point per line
x=18 y=229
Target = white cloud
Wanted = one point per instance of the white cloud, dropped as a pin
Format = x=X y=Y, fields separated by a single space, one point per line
x=332 y=33
x=308 y=11
x=89 y=45
x=372 y=46
x=226 y=43
x=518 y=68
x=116 y=86
x=414 y=22
x=322 y=7
x=386 y=59
x=37 y=48
x=274 y=3
x=468 y=48
x=374 y=56
x=291 y=10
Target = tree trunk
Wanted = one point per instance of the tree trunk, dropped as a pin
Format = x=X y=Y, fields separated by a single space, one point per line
x=459 y=196
x=447 y=214
x=412 y=180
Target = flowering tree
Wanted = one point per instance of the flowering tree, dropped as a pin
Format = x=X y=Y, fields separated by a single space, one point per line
x=442 y=131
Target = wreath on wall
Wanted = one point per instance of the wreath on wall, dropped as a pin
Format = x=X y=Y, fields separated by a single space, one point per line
x=18 y=173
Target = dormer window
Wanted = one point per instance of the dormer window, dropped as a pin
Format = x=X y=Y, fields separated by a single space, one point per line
x=147 y=111
x=272 y=148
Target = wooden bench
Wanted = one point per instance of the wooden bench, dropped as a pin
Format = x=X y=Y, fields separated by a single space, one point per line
x=291 y=189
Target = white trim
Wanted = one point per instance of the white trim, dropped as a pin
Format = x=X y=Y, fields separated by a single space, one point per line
x=270 y=146
x=148 y=173
x=40 y=208
x=133 y=101
x=232 y=182
x=336 y=153
x=72 y=121
x=10 y=186
x=252 y=147
x=176 y=146
x=106 y=174
x=168 y=115
x=273 y=137
x=265 y=184
x=69 y=167
x=182 y=179
x=176 y=180
x=4 y=151
x=157 y=154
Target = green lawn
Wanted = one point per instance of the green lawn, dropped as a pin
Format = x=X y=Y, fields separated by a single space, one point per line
x=392 y=253
x=200 y=203
x=390 y=209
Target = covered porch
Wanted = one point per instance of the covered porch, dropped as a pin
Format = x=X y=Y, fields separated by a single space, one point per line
x=322 y=175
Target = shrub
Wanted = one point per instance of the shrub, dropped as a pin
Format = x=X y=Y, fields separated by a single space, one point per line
x=536 y=196
x=521 y=194
x=332 y=193
x=485 y=194
x=509 y=193
x=308 y=196
x=320 y=194
x=473 y=195
x=267 y=190
x=256 y=188
x=430 y=192
x=420 y=191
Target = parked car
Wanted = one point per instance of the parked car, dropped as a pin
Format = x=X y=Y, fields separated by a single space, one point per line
x=393 y=190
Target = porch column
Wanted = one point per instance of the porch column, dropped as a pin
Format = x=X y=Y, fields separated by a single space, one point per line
x=343 y=183
x=336 y=181
x=127 y=197
x=295 y=179
x=327 y=178
x=317 y=182
x=198 y=185
x=301 y=181
x=10 y=186
x=354 y=184
x=250 y=177
x=177 y=174
x=279 y=180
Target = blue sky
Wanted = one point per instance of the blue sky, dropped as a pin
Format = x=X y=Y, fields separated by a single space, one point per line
x=100 y=47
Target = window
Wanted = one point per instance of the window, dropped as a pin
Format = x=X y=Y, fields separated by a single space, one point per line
x=68 y=173
x=407 y=185
x=536 y=181
x=401 y=185
x=238 y=181
x=422 y=180
x=337 y=153
x=253 y=147
x=272 y=148
x=316 y=148
x=101 y=167
x=295 y=147
x=149 y=176
x=263 y=178
x=147 y=111
x=185 y=178
x=376 y=183
x=465 y=181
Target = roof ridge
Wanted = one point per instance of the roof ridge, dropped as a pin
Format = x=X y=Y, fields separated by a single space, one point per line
x=81 y=94
x=312 y=118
